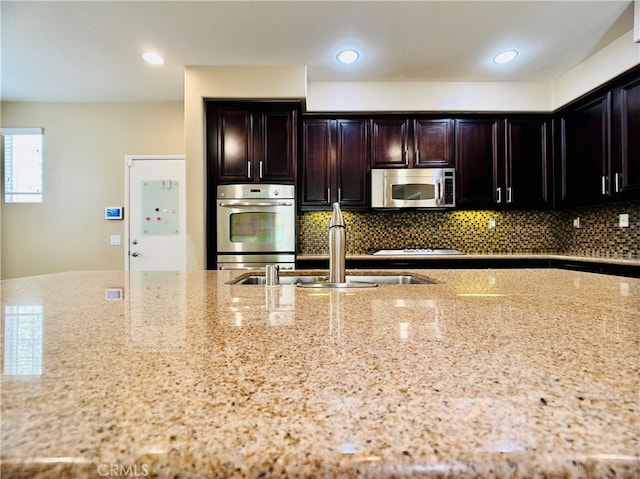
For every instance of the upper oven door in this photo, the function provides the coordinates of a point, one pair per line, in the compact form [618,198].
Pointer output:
[256,225]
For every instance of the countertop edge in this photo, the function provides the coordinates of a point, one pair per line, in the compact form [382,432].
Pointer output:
[462,257]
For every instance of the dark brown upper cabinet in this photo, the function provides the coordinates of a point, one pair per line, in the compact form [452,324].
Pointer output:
[503,162]
[626,163]
[585,151]
[433,143]
[599,147]
[335,156]
[412,143]
[253,142]
[525,174]
[479,153]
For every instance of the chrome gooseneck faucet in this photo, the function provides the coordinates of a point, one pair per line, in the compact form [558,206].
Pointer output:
[337,246]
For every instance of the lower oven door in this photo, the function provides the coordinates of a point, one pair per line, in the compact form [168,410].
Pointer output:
[256,226]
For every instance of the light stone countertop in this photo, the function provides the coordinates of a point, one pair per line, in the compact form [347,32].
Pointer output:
[514,373]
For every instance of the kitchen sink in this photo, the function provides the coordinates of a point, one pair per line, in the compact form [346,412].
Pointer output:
[322,281]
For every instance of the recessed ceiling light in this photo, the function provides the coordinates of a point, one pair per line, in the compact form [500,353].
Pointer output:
[153,58]
[347,56]
[505,57]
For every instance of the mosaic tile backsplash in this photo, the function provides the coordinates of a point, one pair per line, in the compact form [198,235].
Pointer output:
[516,231]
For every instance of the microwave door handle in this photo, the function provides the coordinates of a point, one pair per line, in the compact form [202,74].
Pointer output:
[440,192]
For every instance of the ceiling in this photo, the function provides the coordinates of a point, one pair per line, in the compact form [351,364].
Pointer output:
[91,50]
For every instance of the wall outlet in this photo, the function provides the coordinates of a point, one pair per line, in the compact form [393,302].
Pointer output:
[576,222]
[115,240]
[492,224]
[623,220]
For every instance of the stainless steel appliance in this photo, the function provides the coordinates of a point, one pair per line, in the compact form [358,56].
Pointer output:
[413,188]
[256,226]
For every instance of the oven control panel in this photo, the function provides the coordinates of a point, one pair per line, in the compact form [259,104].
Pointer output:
[256,191]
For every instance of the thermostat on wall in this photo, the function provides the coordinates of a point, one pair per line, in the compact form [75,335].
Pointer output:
[113,212]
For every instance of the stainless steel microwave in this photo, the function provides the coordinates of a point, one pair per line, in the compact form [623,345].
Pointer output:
[413,188]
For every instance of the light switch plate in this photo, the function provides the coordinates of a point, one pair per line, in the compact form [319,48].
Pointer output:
[576,222]
[115,240]
[623,220]
[492,224]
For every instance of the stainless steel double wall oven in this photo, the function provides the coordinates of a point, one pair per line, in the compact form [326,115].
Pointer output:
[256,226]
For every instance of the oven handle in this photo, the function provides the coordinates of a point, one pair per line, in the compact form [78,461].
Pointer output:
[253,204]
[243,268]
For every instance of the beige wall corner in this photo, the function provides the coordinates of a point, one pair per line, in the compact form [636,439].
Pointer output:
[613,60]
[223,82]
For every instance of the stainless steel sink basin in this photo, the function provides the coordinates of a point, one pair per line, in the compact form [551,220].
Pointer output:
[322,281]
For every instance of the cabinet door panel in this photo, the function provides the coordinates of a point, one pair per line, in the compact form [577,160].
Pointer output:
[479,148]
[629,112]
[352,155]
[586,152]
[433,143]
[235,145]
[315,179]
[278,146]
[527,163]
[390,137]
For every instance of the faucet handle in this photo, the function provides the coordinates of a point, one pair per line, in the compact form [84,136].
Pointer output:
[272,275]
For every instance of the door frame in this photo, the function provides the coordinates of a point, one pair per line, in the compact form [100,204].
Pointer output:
[127,162]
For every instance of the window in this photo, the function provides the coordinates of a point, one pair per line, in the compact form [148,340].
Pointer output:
[22,165]
[23,336]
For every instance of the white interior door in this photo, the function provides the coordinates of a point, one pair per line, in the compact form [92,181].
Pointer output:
[156,211]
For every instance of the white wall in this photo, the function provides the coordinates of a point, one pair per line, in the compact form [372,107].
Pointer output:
[427,97]
[84,149]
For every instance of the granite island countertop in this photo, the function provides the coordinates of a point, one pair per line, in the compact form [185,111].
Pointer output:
[487,373]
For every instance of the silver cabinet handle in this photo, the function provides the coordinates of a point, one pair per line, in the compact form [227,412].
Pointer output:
[604,185]
[509,195]
[329,196]
[416,158]
[406,157]
[260,172]
[339,195]
[499,192]
[617,182]
[249,169]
